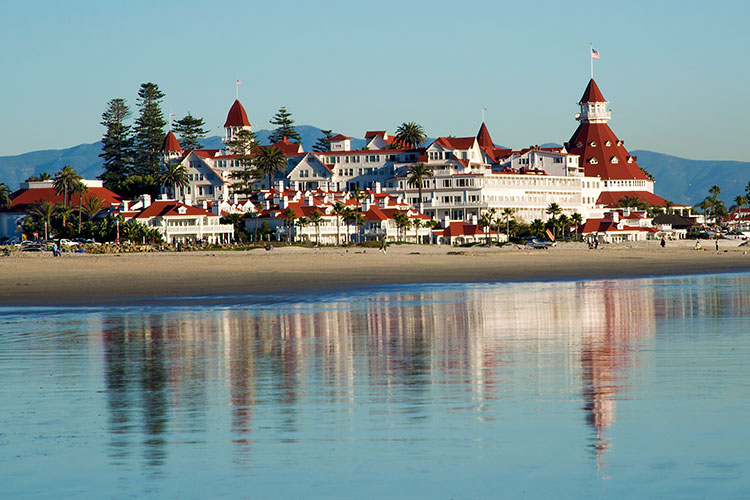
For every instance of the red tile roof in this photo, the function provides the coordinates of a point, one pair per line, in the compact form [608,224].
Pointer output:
[483,137]
[171,145]
[374,133]
[340,137]
[24,198]
[611,198]
[592,93]
[599,134]
[460,228]
[461,143]
[169,208]
[289,148]
[237,116]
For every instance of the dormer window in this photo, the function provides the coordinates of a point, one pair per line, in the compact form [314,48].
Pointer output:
[181,210]
[630,159]
[592,143]
[579,144]
[608,143]
[620,143]
[614,160]
[593,161]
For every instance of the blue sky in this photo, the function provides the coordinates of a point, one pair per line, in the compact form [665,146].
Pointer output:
[676,73]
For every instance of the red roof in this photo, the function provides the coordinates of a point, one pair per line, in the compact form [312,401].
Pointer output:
[483,137]
[611,198]
[169,208]
[340,137]
[374,133]
[461,143]
[460,228]
[289,148]
[237,116]
[171,145]
[24,198]
[593,139]
[592,93]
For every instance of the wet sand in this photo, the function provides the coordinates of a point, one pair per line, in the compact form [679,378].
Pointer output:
[87,279]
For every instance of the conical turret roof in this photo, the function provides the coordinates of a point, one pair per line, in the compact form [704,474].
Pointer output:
[237,116]
[592,93]
[171,144]
[483,137]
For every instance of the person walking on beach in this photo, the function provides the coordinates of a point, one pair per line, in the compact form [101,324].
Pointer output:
[383,245]
[663,241]
[717,244]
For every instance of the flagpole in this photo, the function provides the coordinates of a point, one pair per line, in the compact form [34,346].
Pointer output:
[482,114]
[236,90]
[591,58]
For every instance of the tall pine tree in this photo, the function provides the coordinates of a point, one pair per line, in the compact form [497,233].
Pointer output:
[117,144]
[190,129]
[149,130]
[284,127]
[323,144]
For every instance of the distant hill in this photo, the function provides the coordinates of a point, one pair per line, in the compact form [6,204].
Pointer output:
[678,179]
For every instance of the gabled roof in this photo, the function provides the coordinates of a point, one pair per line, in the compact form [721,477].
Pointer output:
[169,208]
[289,148]
[171,145]
[374,133]
[237,116]
[592,93]
[340,137]
[460,228]
[460,143]
[483,137]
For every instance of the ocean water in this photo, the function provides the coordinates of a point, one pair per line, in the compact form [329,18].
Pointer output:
[598,389]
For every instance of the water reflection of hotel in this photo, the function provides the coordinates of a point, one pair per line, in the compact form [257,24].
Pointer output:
[370,347]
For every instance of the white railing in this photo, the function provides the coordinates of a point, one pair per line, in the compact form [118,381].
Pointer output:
[209,228]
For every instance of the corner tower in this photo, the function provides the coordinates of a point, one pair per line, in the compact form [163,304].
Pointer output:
[601,153]
[236,121]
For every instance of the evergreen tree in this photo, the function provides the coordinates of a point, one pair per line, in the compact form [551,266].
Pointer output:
[323,144]
[190,129]
[284,127]
[149,130]
[244,144]
[117,143]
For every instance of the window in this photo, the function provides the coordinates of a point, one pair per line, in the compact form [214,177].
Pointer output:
[592,143]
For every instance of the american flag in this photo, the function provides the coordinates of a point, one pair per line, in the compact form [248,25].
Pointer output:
[594,54]
[239,82]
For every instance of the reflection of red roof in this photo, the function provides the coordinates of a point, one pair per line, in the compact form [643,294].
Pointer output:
[171,145]
[593,139]
[592,93]
[237,116]
[483,137]
[611,198]
[169,208]
[24,198]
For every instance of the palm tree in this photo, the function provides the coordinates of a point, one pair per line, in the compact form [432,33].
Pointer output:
[577,219]
[410,134]
[92,205]
[44,211]
[63,212]
[349,219]
[486,221]
[338,209]
[416,175]
[269,161]
[80,189]
[417,223]
[65,182]
[715,191]
[632,202]
[288,216]
[5,195]
[507,215]
[554,210]
[537,227]
[359,220]
[303,222]
[315,218]
[359,196]
[668,207]
[432,224]
[564,222]
[740,201]
[402,222]
[174,175]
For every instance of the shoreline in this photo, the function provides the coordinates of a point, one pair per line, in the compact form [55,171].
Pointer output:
[138,278]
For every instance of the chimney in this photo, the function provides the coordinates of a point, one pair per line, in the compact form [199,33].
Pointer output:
[474,220]
[204,204]
[146,200]
[376,186]
[615,216]
[125,205]
[163,196]
[386,201]
[446,222]
[280,186]
[284,204]
[310,200]
[187,201]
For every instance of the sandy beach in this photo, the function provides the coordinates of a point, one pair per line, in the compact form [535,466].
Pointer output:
[89,279]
